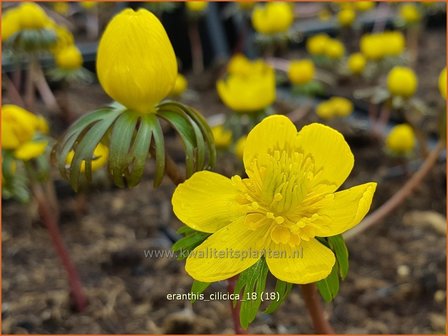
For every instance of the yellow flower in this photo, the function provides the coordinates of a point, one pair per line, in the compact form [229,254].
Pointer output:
[61,7]
[315,45]
[342,107]
[393,43]
[136,64]
[238,64]
[32,16]
[88,4]
[402,81]
[401,139]
[222,136]
[272,18]
[364,6]
[356,63]
[372,46]
[409,13]
[18,126]
[196,6]
[442,83]
[325,110]
[246,4]
[99,158]
[248,93]
[334,49]
[289,198]
[31,150]
[239,147]
[301,72]
[64,38]
[180,86]
[10,23]
[69,58]
[346,17]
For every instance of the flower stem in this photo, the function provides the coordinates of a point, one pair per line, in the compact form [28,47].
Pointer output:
[196,47]
[172,171]
[312,302]
[399,196]
[44,89]
[235,309]
[51,222]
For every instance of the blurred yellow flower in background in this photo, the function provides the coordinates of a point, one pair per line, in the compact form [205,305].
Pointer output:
[442,83]
[10,23]
[60,7]
[334,49]
[88,4]
[196,6]
[402,82]
[315,45]
[99,158]
[32,16]
[346,17]
[372,46]
[334,107]
[401,140]
[409,13]
[222,136]
[301,72]
[180,85]
[356,63]
[69,58]
[239,147]
[272,17]
[288,199]
[136,64]
[364,6]
[249,93]
[393,43]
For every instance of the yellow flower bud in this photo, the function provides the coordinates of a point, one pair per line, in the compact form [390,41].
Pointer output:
[180,86]
[401,139]
[315,45]
[136,64]
[393,43]
[364,6]
[32,16]
[442,83]
[372,46]
[69,58]
[324,110]
[346,17]
[64,38]
[222,136]
[99,158]
[31,150]
[272,18]
[356,63]
[334,49]
[10,23]
[239,147]
[250,93]
[342,107]
[402,81]
[409,13]
[301,72]
[196,6]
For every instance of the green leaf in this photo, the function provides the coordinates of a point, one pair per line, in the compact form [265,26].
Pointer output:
[283,289]
[329,287]
[186,244]
[199,287]
[120,143]
[337,244]
[159,144]
[252,280]
[140,151]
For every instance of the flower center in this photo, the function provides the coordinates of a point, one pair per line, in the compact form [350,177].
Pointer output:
[277,193]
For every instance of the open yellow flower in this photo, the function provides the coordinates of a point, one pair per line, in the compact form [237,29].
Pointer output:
[136,64]
[442,83]
[288,199]
[250,93]
[356,63]
[301,72]
[69,58]
[272,18]
[402,82]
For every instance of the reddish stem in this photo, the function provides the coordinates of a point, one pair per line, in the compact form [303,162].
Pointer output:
[312,301]
[196,47]
[235,309]
[51,222]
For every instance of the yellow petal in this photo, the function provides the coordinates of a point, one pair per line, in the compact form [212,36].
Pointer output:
[332,157]
[69,58]
[136,63]
[273,132]
[310,262]
[206,202]
[30,150]
[343,210]
[227,252]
